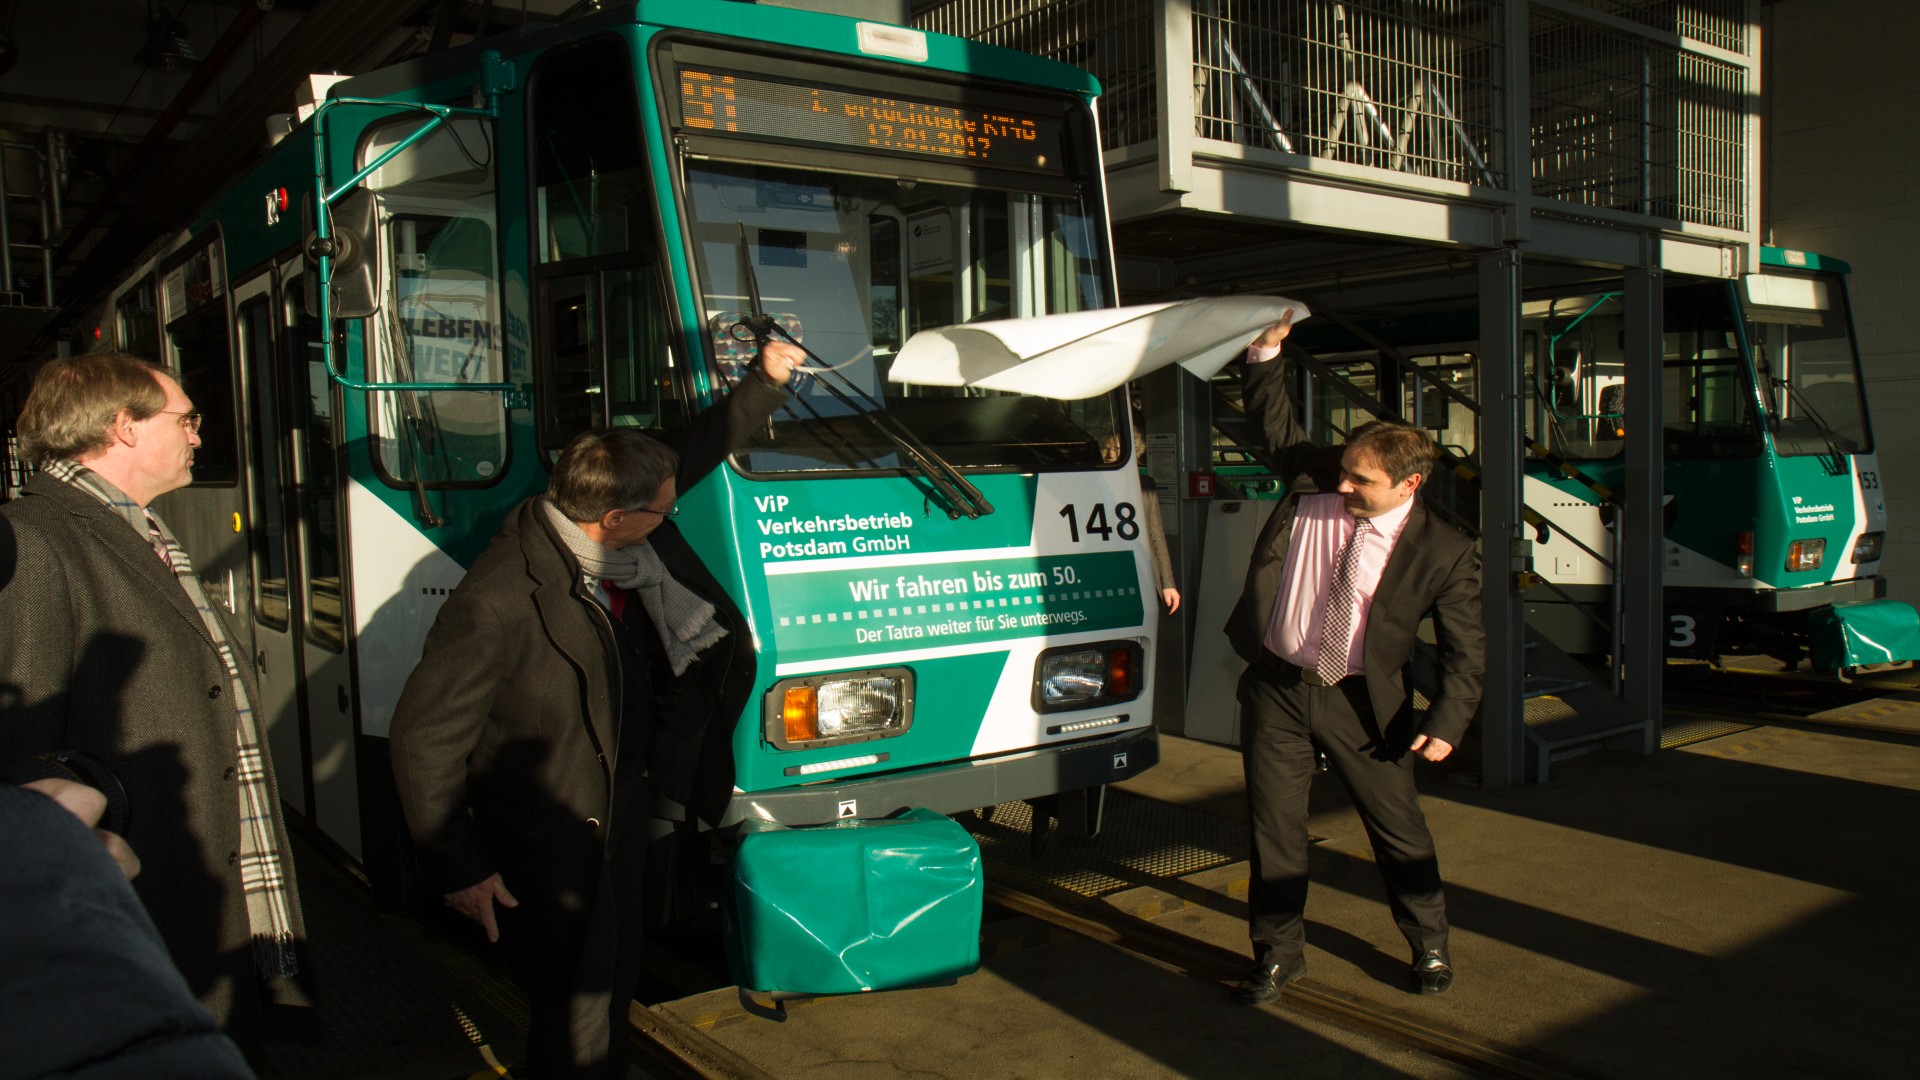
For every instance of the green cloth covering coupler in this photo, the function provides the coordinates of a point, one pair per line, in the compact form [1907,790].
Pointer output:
[854,906]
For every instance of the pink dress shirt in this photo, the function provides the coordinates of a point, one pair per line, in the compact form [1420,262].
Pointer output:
[1321,528]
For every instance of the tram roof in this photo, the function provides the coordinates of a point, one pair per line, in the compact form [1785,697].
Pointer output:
[780,25]
[1802,260]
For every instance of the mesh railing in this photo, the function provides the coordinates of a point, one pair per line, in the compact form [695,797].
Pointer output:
[1721,23]
[1618,120]
[1112,39]
[1622,122]
[1409,87]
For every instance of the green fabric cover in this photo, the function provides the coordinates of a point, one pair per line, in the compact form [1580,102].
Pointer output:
[1864,632]
[855,906]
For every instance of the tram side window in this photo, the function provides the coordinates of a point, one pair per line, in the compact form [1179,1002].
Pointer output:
[641,388]
[590,179]
[318,471]
[270,602]
[441,323]
[1707,402]
[136,320]
[603,342]
[607,360]
[1576,362]
[202,357]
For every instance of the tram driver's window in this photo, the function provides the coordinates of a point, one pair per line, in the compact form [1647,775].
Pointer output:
[603,349]
[441,323]
[201,354]
[136,320]
[589,168]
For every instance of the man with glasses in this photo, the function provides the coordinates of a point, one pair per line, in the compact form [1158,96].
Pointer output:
[565,689]
[110,648]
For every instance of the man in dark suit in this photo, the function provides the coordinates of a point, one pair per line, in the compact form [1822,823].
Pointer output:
[523,740]
[109,647]
[1341,578]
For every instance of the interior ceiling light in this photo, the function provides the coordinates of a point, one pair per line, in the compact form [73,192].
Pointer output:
[166,46]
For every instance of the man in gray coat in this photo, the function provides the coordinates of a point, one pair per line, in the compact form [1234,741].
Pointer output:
[109,647]
[523,741]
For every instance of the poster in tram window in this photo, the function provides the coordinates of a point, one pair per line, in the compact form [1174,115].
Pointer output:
[448,332]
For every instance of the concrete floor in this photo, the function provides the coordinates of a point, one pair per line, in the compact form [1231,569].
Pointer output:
[1738,907]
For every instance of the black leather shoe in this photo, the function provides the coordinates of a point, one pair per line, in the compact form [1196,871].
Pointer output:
[1264,982]
[1431,972]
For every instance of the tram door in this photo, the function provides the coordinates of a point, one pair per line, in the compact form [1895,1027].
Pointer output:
[316,586]
[268,604]
[207,516]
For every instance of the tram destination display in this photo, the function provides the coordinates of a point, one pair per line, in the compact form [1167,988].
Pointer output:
[738,105]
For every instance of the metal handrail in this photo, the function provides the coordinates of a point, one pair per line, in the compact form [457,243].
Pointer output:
[497,77]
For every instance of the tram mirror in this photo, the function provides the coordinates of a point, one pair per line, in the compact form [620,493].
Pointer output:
[351,232]
[1566,376]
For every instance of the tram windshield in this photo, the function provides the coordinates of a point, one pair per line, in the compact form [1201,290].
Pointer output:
[1576,352]
[851,266]
[1807,364]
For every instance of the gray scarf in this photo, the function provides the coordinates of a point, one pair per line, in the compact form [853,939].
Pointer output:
[684,622]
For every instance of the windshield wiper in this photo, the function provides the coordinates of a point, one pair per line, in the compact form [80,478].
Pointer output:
[960,494]
[1827,433]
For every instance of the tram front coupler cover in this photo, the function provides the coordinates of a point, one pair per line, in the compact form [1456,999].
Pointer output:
[1863,633]
[854,906]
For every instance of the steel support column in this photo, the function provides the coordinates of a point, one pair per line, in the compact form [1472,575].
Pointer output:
[1503,543]
[1173,78]
[1642,546]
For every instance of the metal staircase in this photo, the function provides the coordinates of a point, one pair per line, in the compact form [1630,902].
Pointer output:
[31,175]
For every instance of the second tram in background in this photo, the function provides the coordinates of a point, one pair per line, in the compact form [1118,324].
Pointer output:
[1775,518]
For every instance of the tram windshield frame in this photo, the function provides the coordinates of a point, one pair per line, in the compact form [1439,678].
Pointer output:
[850,250]
[1806,361]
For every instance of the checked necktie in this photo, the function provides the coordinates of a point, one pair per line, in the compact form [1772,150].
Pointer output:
[1336,624]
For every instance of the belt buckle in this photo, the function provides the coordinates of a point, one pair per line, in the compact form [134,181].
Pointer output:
[1312,677]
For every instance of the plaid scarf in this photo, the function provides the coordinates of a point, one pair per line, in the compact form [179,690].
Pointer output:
[263,876]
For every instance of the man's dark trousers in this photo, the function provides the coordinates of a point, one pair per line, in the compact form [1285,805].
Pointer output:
[1282,718]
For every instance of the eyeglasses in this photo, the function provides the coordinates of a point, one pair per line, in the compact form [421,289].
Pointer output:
[188,420]
[671,511]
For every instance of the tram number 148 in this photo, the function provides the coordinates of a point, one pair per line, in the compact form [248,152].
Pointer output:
[1125,522]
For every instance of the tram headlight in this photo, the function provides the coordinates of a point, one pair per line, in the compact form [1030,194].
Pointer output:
[1804,555]
[1743,554]
[1085,676]
[1867,548]
[845,707]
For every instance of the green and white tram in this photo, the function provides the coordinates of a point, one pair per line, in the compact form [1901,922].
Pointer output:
[581,226]
[1775,520]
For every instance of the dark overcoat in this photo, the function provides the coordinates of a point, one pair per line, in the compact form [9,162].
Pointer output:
[1434,571]
[101,652]
[520,735]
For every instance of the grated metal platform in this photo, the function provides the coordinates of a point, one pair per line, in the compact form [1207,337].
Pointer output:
[1142,842]
[1681,729]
